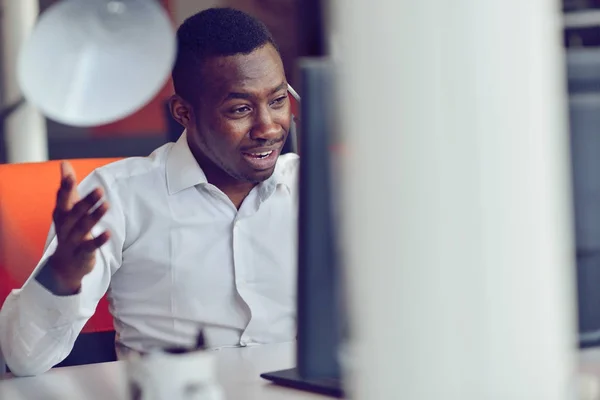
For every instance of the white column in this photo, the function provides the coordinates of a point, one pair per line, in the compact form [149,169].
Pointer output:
[457,199]
[25,129]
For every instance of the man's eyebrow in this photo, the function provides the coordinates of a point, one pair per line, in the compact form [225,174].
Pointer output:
[281,86]
[245,96]
[235,95]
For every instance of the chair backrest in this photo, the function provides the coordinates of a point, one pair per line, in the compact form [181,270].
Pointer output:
[27,198]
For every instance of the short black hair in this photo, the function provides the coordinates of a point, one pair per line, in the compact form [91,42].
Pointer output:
[215,32]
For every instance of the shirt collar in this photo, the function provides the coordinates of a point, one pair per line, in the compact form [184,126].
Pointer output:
[266,188]
[183,171]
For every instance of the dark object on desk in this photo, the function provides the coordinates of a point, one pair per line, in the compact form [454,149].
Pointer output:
[200,345]
[200,342]
[292,379]
[321,311]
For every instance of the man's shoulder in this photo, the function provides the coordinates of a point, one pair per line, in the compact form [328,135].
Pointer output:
[134,167]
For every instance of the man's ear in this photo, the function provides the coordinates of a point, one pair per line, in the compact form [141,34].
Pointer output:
[181,110]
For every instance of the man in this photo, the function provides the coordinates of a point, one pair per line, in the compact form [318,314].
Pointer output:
[199,235]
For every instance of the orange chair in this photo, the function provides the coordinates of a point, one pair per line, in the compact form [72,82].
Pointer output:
[27,197]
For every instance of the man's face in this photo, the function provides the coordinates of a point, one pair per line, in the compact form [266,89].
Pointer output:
[242,116]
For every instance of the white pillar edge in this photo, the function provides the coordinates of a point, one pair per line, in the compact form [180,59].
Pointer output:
[456,201]
[25,129]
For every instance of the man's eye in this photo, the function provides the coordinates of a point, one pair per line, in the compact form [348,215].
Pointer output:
[279,100]
[241,110]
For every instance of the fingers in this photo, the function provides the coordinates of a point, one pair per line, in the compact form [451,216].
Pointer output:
[85,223]
[75,218]
[79,210]
[66,220]
[88,247]
[66,170]
[87,203]
[64,194]
[67,194]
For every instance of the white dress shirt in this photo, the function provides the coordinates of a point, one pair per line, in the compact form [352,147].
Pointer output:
[181,257]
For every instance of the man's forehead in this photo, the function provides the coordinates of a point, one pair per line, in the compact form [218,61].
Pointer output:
[260,70]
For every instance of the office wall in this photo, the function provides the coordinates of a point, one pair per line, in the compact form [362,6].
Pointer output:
[181,9]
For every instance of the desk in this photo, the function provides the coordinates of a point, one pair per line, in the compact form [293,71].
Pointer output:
[238,371]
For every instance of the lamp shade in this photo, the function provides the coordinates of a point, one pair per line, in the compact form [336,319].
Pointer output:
[91,62]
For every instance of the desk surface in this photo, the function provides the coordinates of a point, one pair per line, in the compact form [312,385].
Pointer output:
[238,371]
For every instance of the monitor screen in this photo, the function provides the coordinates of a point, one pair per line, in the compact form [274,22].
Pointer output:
[321,314]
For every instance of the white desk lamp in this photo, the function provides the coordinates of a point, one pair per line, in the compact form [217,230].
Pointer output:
[91,62]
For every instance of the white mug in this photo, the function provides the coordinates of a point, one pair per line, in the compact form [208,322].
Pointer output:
[171,376]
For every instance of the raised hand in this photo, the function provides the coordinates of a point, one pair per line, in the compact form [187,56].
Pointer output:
[74,218]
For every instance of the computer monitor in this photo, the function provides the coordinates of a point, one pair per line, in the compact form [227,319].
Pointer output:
[321,314]
[319,291]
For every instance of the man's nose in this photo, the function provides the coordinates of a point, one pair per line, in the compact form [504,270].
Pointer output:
[265,127]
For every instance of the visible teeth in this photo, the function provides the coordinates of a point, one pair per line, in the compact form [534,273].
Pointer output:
[262,154]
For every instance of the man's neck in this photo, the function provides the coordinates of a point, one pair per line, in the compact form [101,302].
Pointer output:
[234,189]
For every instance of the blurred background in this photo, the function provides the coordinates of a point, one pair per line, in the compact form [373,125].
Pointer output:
[151,126]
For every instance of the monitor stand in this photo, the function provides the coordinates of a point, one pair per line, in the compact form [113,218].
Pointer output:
[291,378]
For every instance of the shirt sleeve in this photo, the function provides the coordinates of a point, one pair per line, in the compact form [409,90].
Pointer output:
[37,328]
